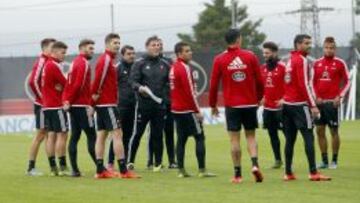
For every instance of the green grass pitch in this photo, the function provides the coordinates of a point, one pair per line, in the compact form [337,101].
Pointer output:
[166,187]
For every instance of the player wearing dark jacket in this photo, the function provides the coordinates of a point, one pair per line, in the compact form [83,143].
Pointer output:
[149,78]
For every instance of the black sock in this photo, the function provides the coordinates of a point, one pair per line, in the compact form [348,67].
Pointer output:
[99,165]
[31,165]
[325,158]
[62,161]
[237,170]
[122,165]
[335,158]
[254,161]
[52,161]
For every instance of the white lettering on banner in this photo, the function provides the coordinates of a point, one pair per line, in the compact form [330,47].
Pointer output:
[26,123]
[17,123]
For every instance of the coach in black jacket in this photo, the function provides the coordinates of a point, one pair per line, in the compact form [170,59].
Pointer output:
[126,104]
[168,129]
[150,72]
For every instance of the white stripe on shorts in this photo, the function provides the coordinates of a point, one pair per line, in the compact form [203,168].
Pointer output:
[112,117]
[62,121]
[308,117]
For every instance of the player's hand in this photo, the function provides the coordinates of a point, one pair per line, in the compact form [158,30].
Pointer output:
[215,112]
[199,117]
[90,111]
[95,97]
[319,101]
[262,102]
[315,112]
[337,101]
[142,90]
[66,106]
[59,87]
[280,102]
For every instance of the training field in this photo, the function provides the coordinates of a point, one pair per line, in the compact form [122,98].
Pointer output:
[166,187]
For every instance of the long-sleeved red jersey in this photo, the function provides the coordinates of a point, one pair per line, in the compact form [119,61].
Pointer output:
[273,85]
[329,74]
[52,77]
[35,78]
[182,89]
[105,82]
[240,73]
[298,90]
[77,89]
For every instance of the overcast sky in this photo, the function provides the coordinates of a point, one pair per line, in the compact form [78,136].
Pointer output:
[24,23]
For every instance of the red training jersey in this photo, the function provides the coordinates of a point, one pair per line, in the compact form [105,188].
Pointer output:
[331,78]
[105,82]
[182,88]
[298,90]
[52,82]
[240,73]
[77,89]
[273,85]
[35,78]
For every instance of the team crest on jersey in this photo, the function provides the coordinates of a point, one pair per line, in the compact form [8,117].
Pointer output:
[238,76]
[287,77]
[325,75]
[237,63]
[269,82]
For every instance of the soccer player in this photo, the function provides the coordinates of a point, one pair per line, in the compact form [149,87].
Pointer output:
[53,83]
[298,98]
[273,72]
[186,111]
[150,80]
[35,85]
[331,83]
[105,95]
[77,100]
[168,127]
[240,73]
[126,103]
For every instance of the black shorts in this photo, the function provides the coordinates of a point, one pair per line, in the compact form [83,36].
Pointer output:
[56,120]
[187,124]
[298,116]
[107,118]
[80,118]
[272,118]
[238,117]
[329,115]
[39,117]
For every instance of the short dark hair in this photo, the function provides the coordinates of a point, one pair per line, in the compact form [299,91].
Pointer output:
[151,39]
[46,42]
[125,48]
[111,36]
[329,39]
[300,38]
[179,47]
[232,35]
[85,42]
[59,45]
[271,45]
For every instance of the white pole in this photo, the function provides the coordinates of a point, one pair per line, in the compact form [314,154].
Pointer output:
[353,110]
[112,17]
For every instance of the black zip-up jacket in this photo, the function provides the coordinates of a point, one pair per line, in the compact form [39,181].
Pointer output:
[154,73]
[126,92]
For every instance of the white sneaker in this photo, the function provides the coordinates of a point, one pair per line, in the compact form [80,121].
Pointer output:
[34,172]
[333,165]
[130,166]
